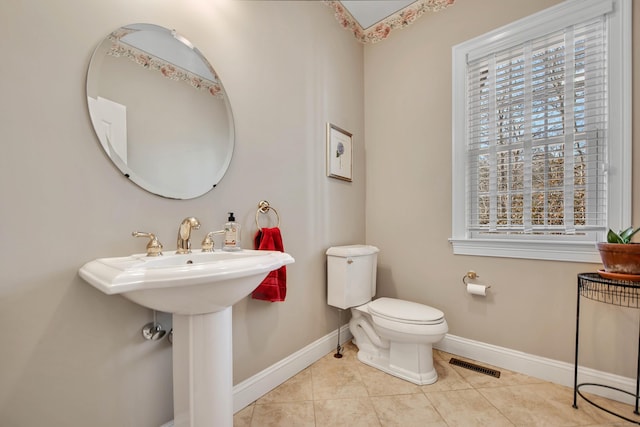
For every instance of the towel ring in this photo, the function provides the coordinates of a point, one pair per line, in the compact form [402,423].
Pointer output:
[264,207]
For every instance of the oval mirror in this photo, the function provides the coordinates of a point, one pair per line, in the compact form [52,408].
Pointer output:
[160,111]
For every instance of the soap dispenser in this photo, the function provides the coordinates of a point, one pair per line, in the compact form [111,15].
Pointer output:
[231,234]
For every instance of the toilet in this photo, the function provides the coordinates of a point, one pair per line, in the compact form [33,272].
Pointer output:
[392,335]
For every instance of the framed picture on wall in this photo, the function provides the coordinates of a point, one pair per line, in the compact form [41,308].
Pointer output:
[339,150]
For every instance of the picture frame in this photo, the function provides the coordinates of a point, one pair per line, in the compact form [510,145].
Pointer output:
[339,153]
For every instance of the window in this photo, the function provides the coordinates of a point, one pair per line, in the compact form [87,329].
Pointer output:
[541,133]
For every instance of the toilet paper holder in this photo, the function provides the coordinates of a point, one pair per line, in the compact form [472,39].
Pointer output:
[471,275]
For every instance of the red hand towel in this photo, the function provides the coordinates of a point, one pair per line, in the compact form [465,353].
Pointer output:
[274,286]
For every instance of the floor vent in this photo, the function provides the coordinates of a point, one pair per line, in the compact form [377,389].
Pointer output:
[474,367]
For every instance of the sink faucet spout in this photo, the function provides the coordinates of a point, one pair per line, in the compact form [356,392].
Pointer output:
[184,234]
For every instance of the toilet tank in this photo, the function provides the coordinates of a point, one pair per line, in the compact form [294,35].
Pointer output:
[351,275]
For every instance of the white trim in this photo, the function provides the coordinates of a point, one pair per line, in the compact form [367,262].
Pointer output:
[620,116]
[619,167]
[266,380]
[552,19]
[545,250]
[538,367]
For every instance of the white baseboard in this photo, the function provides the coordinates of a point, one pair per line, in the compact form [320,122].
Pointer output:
[263,382]
[539,367]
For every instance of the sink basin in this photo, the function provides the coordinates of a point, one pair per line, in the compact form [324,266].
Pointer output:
[198,289]
[195,283]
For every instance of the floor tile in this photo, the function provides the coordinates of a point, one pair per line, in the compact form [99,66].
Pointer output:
[346,412]
[296,389]
[407,410]
[242,418]
[466,408]
[344,391]
[440,355]
[602,416]
[541,405]
[292,414]
[337,378]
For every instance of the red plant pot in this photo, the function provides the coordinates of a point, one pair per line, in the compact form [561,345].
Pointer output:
[620,258]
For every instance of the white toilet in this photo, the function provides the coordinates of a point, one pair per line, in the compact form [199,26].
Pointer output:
[393,335]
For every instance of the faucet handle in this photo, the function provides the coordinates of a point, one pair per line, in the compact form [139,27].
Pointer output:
[154,247]
[207,242]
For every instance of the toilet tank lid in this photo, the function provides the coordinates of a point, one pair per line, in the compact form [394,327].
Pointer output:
[352,250]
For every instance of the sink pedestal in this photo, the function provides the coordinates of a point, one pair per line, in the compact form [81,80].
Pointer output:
[202,370]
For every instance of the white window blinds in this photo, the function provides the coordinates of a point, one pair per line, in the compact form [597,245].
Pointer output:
[537,135]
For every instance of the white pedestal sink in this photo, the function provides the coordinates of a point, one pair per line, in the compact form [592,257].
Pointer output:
[199,290]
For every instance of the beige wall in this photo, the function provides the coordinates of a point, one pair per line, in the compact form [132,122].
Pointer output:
[71,356]
[531,307]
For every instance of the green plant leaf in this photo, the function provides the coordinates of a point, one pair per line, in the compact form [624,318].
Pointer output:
[630,235]
[613,237]
[625,235]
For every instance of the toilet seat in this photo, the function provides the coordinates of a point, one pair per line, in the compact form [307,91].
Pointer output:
[405,312]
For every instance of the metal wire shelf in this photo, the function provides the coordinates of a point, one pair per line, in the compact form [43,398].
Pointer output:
[623,293]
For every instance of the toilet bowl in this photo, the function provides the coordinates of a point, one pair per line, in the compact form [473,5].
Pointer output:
[392,335]
[397,336]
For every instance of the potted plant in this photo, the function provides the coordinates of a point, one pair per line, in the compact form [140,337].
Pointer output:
[619,254]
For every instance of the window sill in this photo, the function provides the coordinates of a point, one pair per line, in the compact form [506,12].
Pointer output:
[529,249]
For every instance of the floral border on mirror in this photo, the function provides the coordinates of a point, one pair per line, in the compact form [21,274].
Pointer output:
[167,69]
[383,28]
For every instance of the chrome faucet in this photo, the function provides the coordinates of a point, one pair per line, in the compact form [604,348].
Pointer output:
[184,234]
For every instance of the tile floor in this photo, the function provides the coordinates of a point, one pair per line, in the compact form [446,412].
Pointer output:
[346,392]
